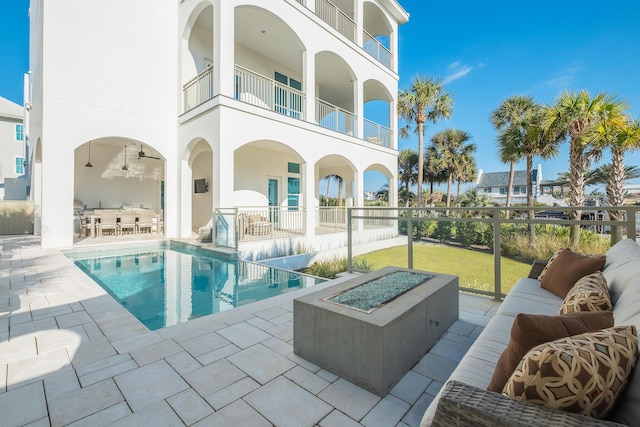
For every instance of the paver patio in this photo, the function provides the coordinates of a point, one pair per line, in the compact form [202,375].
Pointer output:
[71,355]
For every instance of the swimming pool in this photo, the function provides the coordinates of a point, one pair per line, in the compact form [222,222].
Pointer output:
[173,283]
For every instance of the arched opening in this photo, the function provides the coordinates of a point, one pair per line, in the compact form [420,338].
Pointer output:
[377,34]
[335,186]
[201,165]
[335,102]
[268,190]
[197,57]
[378,105]
[117,174]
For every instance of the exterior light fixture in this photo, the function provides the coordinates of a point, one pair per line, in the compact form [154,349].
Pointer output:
[89,165]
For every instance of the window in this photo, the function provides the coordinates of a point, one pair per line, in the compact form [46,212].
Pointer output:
[503,190]
[20,165]
[487,190]
[293,167]
[293,193]
[19,132]
[287,102]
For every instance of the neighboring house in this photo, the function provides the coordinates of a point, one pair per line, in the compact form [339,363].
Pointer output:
[495,184]
[233,104]
[12,151]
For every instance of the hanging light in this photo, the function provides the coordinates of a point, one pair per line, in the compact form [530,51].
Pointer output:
[124,167]
[89,165]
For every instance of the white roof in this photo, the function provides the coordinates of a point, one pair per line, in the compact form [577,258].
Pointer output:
[10,109]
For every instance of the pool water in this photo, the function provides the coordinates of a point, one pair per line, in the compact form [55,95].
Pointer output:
[166,286]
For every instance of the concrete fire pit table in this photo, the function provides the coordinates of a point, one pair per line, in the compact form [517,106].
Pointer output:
[375,347]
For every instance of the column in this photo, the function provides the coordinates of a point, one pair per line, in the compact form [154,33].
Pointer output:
[57,193]
[358,188]
[358,98]
[358,16]
[309,85]
[393,122]
[223,48]
[309,189]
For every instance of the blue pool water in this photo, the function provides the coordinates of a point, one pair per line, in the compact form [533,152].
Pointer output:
[166,286]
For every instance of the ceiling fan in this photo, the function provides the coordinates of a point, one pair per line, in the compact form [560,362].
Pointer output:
[142,155]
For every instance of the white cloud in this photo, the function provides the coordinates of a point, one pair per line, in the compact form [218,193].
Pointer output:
[457,71]
[562,79]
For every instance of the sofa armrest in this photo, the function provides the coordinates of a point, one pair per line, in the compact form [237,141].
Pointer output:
[536,269]
[465,405]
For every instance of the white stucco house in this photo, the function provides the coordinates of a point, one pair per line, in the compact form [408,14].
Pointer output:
[12,151]
[212,106]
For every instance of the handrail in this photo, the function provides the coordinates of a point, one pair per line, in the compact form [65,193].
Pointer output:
[376,49]
[261,91]
[493,217]
[332,117]
[199,89]
[336,18]
[377,133]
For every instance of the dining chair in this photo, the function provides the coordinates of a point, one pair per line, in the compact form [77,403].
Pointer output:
[145,220]
[127,221]
[108,221]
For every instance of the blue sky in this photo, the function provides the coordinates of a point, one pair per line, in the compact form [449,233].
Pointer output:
[485,51]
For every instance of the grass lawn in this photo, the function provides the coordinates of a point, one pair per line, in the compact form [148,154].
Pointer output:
[474,268]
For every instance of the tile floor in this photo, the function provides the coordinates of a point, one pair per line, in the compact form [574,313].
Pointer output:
[71,355]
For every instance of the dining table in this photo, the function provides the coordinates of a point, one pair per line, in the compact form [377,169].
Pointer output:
[94,219]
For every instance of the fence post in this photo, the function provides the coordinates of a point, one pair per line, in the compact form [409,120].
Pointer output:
[410,238]
[497,255]
[349,242]
[631,223]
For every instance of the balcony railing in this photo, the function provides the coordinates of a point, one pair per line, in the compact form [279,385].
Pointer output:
[377,134]
[263,92]
[335,118]
[376,49]
[198,90]
[246,224]
[497,234]
[332,15]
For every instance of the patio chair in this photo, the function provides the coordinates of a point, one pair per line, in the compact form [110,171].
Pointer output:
[127,221]
[145,220]
[108,221]
[85,223]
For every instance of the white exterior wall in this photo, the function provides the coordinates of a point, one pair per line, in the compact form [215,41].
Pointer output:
[10,148]
[113,71]
[110,72]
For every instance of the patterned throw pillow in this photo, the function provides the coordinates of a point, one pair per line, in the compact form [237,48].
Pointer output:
[583,374]
[588,294]
[565,268]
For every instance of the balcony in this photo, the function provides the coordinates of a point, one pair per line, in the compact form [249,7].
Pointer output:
[336,18]
[267,93]
[377,134]
[335,118]
[198,90]
[376,49]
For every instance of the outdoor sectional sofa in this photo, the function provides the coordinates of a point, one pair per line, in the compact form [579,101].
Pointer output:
[464,400]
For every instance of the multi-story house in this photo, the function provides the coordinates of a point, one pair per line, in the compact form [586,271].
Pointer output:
[12,151]
[495,184]
[194,107]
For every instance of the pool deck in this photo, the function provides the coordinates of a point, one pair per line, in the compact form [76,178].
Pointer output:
[71,355]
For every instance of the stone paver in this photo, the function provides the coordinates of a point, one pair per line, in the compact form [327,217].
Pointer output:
[354,401]
[23,405]
[149,384]
[286,404]
[261,363]
[71,355]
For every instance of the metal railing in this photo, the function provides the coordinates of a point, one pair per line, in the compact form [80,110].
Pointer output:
[335,118]
[246,224]
[198,90]
[375,133]
[332,15]
[376,49]
[596,220]
[267,93]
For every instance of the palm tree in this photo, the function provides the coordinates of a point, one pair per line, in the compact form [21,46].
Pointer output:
[602,174]
[407,169]
[510,119]
[433,174]
[467,171]
[452,150]
[339,179]
[621,134]
[383,193]
[571,115]
[426,101]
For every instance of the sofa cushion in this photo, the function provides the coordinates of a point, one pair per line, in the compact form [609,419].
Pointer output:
[531,330]
[627,312]
[621,266]
[565,268]
[583,374]
[590,293]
